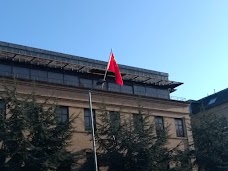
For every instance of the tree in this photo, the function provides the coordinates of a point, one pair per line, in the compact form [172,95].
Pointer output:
[210,140]
[131,144]
[31,136]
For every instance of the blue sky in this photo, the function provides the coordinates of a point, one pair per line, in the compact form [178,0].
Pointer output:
[187,39]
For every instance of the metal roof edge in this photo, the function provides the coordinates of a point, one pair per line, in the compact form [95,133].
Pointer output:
[74,57]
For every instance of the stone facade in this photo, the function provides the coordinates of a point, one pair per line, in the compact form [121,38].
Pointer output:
[76,99]
[68,79]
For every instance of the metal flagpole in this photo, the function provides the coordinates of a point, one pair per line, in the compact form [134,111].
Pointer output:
[100,82]
[107,65]
[93,131]
[106,70]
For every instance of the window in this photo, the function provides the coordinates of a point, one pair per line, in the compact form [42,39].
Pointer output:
[87,120]
[114,120]
[159,123]
[55,77]
[5,70]
[2,107]
[38,75]
[179,127]
[99,86]
[71,80]
[113,87]
[140,90]
[83,82]
[21,72]
[163,93]
[212,101]
[62,114]
[137,121]
[150,91]
[127,89]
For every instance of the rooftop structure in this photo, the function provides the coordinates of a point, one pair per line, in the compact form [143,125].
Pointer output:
[82,66]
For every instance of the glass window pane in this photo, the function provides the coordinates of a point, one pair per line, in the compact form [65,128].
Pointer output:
[114,120]
[163,93]
[127,89]
[88,121]
[179,127]
[55,77]
[38,75]
[64,118]
[140,90]
[87,112]
[64,111]
[113,87]
[20,72]
[99,86]
[5,70]
[2,107]
[62,114]
[151,92]
[71,80]
[83,82]
[159,124]
[137,121]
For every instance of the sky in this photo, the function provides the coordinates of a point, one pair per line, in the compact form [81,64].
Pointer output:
[186,39]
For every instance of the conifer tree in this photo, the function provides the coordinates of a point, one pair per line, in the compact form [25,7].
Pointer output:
[131,144]
[31,136]
[210,141]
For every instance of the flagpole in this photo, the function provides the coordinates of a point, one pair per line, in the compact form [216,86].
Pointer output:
[107,65]
[106,69]
[93,131]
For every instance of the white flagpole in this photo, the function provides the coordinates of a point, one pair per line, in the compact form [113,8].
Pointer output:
[93,131]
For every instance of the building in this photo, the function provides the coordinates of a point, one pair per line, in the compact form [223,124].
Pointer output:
[70,77]
[209,117]
[217,103]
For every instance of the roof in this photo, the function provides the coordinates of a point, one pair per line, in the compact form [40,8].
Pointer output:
[47,58]
[208,102]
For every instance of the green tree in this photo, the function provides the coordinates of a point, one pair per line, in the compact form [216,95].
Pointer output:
[210,141]
[31,137]
[132,144]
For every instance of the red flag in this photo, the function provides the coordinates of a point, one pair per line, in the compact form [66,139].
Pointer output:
[112,66]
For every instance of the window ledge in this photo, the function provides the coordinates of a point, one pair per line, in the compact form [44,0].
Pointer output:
[179,138]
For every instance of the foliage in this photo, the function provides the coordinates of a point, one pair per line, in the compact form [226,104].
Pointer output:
[31,137]
[210,140]
[133,144]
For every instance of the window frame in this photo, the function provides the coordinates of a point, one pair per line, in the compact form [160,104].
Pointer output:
[137,121]
[159,124]
[114,87]
[2,108]
[85,82]
[89,126]
[55,77]
[59,114]
[127,89]
[139,89]
[72,80]
[179,125]
[21,72]
[115,120]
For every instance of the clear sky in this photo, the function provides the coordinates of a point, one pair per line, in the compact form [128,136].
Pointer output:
[186,38]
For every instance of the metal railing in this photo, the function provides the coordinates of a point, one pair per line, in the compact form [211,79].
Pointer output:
[178,98]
